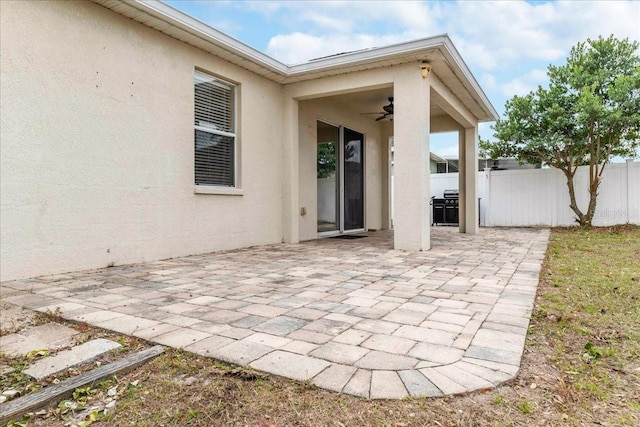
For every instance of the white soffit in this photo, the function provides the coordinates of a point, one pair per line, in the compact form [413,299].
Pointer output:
[439,51]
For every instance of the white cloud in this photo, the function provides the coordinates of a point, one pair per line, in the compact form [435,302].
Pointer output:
[582,20]
[292,48]
[264,7]
[298,47]
[415,17]
[525,83]
[507,33]
[328,22]
[484,126]
[402,15]
[512,32]
[489,35]
[226,26]
[488,81]
[345,26]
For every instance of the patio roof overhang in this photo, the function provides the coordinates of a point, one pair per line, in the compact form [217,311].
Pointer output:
[438,51]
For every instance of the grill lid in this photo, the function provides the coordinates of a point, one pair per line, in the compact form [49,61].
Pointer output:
[450,194]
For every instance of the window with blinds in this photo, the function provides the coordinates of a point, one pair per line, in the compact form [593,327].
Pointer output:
[215,133]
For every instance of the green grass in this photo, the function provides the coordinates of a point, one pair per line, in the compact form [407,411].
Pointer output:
[589,303]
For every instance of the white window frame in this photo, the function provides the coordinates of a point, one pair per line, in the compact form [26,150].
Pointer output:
[213,188]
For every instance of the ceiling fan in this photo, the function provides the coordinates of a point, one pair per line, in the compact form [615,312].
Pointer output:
[387,111]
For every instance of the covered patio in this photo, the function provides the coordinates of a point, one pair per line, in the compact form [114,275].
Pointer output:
[352,315]
[420,88]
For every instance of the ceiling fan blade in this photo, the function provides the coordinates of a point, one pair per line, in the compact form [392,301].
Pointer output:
[389,108]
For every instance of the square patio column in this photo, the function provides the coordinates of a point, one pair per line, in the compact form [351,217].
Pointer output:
[462,180]
[387,134]
[290,172]
[412,217]
[468,180]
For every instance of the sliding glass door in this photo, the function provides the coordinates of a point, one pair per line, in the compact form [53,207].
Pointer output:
[353,171]
[340,179]
[328,172]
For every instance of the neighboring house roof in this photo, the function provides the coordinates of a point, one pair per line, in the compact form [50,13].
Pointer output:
[436,158]
[439,51]
[496,164]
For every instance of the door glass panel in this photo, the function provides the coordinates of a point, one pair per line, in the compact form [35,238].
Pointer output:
[328,176]
[353,180]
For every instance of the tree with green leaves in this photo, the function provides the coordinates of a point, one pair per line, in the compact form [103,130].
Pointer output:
[589,113]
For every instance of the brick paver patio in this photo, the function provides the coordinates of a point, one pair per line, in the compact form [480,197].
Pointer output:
[353,316]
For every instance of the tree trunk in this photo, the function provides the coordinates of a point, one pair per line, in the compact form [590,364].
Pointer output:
[594,184]
[581,217]
[593,196]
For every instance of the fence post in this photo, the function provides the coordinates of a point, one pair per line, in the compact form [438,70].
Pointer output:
[487,202]
[629,162]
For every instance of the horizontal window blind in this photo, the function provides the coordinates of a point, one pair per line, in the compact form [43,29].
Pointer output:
[215,159]
[215,137]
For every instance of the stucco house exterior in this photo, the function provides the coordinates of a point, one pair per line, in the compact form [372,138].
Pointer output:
[133,132]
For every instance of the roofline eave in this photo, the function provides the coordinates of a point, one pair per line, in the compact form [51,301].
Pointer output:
[205,32]
[282,73]
[371,55]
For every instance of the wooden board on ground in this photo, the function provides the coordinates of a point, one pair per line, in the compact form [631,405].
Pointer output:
[16,408]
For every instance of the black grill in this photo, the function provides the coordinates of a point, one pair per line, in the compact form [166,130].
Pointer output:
[445,210]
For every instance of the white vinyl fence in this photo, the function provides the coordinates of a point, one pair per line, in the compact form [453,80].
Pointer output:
[540,196]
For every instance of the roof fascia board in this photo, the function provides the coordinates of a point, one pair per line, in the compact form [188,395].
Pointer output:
[198,28]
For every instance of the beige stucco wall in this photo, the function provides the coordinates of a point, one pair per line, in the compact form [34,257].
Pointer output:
[445,123]
[309,113]
[97,145]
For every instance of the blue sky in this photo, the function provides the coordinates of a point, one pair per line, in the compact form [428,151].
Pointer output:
[506,44]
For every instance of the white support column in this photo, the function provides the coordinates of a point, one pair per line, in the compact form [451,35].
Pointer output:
[412,217]
[387,132]
[462,181]
[290,173]
[470,180]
